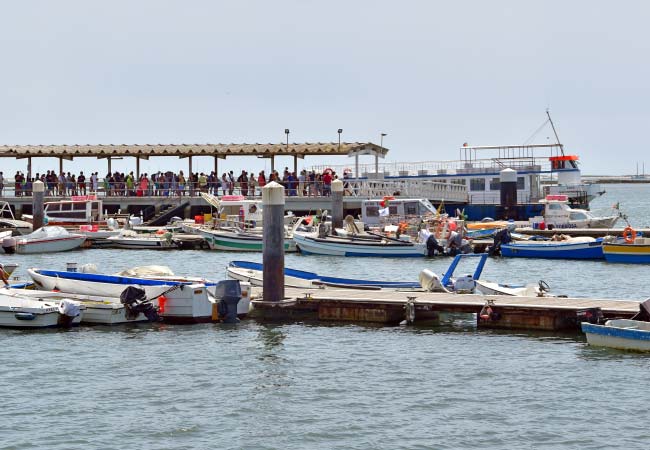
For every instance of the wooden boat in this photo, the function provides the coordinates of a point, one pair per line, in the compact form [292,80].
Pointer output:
[239,241]
[48,240]
[637,252]
[310,243]
[19,311]
[623,334]
[572,248]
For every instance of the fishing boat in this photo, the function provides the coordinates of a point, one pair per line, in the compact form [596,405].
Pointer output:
[312,244]
[8,268]
[252,273]
[19,311]
[132,240]
[623,334]
[179,299]
[634,250]
[47,240]
[558,214]
[570,248]
[239,241]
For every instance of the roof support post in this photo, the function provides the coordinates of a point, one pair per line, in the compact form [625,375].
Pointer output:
[109,165]
[356,166]
[137,168]
[295,164]
[190,178]
[272,163]
[61,165]
[29,167]
[216,167]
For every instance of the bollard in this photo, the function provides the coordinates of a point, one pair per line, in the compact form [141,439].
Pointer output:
[337,204]
[273,244]
[38,196]
[508,187]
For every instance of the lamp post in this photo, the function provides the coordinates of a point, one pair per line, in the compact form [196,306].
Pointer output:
[381,144]
[340,130]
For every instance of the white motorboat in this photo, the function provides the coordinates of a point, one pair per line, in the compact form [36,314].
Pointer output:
[179,299]
[19,311]
[7,220]
[558,214]
[622,334]
[46,240]
[311,243]
[132,240]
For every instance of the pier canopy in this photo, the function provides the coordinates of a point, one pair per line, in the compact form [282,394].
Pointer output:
[185,150]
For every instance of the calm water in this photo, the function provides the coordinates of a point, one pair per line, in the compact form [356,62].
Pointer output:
[302,386]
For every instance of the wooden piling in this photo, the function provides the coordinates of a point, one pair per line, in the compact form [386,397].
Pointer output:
[38,197]
[337,204]
[273,244]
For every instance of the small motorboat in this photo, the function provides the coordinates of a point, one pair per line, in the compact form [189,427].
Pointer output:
[311,243]
[558,214]
[47,239]
[179,299]
[623,334]
[19,311]
[132,240]
[252,273]
[563,248]
[634,250]
[239,241]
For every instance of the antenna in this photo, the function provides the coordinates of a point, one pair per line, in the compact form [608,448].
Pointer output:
[557,138]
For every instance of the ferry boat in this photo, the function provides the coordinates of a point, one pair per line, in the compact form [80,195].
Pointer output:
[542,169]
[82,209]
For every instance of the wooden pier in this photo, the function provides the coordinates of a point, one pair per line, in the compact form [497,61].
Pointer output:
[394,306]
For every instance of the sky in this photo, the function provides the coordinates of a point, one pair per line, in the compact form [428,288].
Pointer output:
[430,74]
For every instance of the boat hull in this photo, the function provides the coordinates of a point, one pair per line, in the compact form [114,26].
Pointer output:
[627,253]
[140,244]
[227,241]
[583,250]
[308,245]
[49,245]
[618,337]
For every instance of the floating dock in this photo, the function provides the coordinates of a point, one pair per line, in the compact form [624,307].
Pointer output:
[394,306]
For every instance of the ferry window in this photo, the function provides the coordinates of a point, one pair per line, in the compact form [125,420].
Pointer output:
[521,183]
[460,181]
[554,207]
[577,216]
[372,211]
[477,184]
[392,210]
[495,184]
[411,209]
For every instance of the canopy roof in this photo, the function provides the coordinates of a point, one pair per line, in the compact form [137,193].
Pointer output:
[185,150]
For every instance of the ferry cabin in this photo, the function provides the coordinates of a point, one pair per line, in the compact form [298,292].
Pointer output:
[82,210]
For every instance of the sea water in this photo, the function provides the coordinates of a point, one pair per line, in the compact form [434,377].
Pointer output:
[304,385]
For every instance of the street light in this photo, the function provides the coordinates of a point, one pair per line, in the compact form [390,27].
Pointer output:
[381,144]
[286,131]
[340,130]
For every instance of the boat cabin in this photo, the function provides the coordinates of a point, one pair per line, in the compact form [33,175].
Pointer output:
[79,209]
[237,208]
[372,211]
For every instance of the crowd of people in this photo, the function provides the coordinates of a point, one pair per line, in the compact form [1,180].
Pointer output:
[304,184]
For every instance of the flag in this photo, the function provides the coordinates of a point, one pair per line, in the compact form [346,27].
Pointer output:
[384,212]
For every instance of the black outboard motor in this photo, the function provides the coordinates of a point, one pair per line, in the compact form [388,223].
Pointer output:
[590,315]
[135,302]
[500,237]
[229,293]
[432,246]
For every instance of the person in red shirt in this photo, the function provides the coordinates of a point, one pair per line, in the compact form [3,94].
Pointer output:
[327,183]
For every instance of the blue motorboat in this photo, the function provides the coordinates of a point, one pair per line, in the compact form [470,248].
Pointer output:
[572,248]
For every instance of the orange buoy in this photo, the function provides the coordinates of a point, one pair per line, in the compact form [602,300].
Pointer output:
[629,235]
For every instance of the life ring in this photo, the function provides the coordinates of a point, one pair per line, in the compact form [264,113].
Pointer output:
[629,235]
[402,227]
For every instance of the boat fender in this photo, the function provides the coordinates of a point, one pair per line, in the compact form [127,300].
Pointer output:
[487,313]
[410,310]
[629,235]
[162,302]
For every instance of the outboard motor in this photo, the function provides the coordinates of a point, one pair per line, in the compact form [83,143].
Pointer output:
[9,245]
[433,246]
[68,310]
[135,302]
[500,237]
[229,293]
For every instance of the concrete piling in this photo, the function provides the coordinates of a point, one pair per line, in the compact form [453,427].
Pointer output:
[508,190]
[38,197]
[337,204]
[273,246]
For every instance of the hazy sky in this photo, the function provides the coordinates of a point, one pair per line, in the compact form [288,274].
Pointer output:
[430,74]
